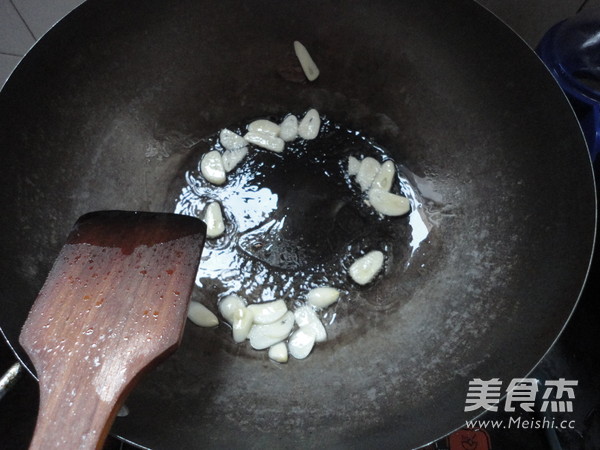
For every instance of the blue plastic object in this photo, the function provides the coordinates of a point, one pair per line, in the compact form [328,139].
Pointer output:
[571,50]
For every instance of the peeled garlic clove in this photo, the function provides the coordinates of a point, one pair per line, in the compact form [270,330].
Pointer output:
[301,342]
[268,312]
[368,170]
[263,336]
[279,352]
[265,127]
[353,165]
[387,203]
[305,316]
[322,297]
[212,168]
[309,67]
[232,158]
[201,315]
[309,125]
[230,140]
[364,269]
[242,323]
[385,177]
[288,130]
[229,305]
[214,220]
[266,141]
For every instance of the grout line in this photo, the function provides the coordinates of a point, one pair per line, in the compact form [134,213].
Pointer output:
[10,54]
[22,19]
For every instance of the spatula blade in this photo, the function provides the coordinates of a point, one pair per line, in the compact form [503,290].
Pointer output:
[114,304]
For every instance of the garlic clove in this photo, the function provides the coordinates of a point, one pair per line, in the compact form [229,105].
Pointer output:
[305,316]
[368,170]
[265,127]
[309,125]
[242,323]
[353,165]
[322,297]
[268,312]
[387,203]
[265,141]
[230,140]
[201,315]
[231,158]
[301,342]
[264,336]
[229,305]
[385,177]
[213,217]
[279,352]
[212,169]
[309,67]
[365,268]
[289,128]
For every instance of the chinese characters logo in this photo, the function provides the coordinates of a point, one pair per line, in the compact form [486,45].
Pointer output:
[557,395]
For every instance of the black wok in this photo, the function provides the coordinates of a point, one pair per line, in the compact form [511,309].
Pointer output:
[100,114]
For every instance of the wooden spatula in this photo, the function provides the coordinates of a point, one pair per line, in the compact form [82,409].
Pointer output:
[113,305]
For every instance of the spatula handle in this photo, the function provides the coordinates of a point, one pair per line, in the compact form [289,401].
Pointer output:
[71,415]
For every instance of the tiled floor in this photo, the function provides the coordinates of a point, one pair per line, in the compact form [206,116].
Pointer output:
[15,38]
[22,23]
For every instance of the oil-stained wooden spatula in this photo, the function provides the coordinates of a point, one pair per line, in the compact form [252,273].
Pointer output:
[113,305]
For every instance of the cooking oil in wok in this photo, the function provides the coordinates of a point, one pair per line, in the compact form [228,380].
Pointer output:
[296,220]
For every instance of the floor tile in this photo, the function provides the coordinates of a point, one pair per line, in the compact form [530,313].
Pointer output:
[7,64]
[15,39]
[41,15]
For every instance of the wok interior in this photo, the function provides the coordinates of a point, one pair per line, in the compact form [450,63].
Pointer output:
[104,114]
